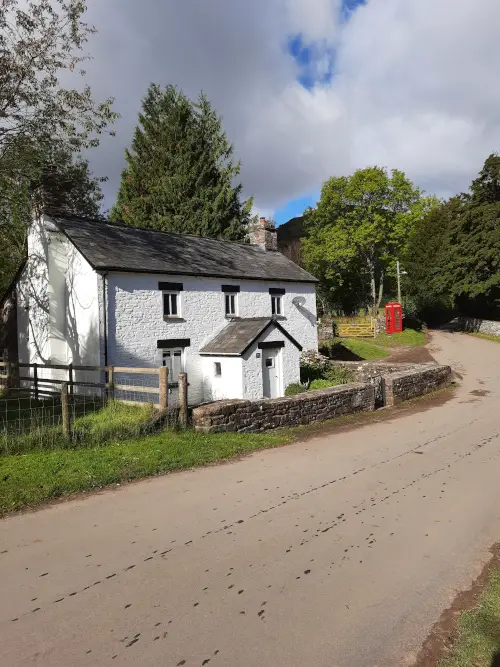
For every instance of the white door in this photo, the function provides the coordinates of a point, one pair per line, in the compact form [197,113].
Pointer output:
[271,372]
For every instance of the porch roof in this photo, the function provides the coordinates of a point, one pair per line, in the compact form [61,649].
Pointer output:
[240,334]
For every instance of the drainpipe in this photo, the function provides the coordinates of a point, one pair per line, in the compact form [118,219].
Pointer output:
[105,315]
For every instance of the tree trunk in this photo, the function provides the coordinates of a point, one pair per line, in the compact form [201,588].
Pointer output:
[373,289]
[380,289]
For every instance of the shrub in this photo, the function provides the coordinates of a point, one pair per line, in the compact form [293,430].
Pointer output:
[295,388]
[313,366]
[339,375]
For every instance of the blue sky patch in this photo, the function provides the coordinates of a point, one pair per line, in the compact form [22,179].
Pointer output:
[315,61]
[295,208]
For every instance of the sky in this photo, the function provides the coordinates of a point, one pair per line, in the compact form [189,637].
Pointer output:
[310,89]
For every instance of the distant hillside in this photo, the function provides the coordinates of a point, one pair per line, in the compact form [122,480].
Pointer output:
[289,235]
[291,231]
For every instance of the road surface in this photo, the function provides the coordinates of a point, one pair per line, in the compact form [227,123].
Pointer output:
[338,551]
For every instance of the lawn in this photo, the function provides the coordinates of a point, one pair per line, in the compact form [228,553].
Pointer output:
[36,477]
[370,349]
[410,337]
[478,639]
[364,349]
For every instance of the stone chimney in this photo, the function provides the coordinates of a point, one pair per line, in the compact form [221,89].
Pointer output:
[264,235]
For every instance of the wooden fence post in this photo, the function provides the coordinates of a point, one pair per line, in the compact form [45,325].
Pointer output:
[183,399]
[163,381]
[111,383]
[35,380]
[65,410]
[8,376]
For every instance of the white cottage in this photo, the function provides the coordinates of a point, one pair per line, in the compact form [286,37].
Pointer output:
[233,316]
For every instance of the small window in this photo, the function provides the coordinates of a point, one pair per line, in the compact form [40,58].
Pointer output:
[217,369]
[276,306]
[230,300]
[174,360]
[171,304]
[270,362]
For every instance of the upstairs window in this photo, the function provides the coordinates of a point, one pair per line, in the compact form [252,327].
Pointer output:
[171,304]
[230,302]
[171,299]
[276,294]
[230,293]
[276,305]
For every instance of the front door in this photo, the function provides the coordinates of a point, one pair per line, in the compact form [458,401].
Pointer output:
[271,372]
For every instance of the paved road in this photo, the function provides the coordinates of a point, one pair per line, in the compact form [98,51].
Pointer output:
[339,551]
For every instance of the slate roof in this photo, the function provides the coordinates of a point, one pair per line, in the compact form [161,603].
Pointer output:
[239,334]
[119,247]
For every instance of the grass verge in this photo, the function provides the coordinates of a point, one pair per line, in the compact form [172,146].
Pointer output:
[31,479]
[496,339]
[478,631]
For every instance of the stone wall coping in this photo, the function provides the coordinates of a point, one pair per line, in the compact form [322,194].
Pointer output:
[229,406]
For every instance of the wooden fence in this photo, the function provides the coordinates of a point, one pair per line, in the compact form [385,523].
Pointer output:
[11,380]
[35,383]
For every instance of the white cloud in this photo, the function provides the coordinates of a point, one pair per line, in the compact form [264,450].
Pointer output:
[414,85]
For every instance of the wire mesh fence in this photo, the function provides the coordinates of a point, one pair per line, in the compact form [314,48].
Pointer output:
[71,416]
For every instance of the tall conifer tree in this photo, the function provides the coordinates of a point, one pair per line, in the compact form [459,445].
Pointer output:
[180,174]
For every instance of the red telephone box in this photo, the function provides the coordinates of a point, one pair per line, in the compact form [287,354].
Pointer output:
[393,318]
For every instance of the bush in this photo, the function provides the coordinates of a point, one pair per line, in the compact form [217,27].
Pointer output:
[295,388]
[313,366]
[339,375]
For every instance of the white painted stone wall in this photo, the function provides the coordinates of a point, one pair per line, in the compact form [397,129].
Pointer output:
[289,360]
[136,323]
[230,382]
[58,317]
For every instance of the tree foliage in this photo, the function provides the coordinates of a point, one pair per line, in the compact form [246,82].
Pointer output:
[357,232]
[453,257]
[40,40]
[54,181]
[180,174]
[43,124]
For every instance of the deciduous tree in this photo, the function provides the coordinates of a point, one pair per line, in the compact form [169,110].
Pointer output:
[360,228]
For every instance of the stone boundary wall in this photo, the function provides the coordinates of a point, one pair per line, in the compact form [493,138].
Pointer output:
[322,404]
[400,387]
[475,325]
[365,370]
[319,405]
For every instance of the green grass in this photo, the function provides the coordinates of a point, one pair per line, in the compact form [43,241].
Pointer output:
[364,349]
[41,428]
[371,348]
[496,339]
[478,639]
[36,477]
[410,337]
